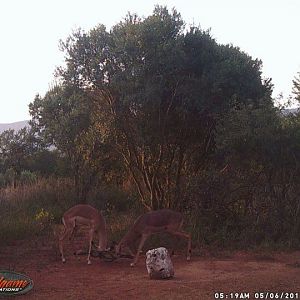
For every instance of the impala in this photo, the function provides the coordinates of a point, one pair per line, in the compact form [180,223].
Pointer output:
[163,220]
[84,215]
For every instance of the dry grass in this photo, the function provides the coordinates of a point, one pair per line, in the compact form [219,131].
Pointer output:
[35,210]
[30,210]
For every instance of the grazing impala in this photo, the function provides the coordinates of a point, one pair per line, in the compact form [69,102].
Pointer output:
[84,215]
[163,220]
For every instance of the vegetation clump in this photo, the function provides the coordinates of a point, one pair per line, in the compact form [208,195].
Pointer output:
[155,114]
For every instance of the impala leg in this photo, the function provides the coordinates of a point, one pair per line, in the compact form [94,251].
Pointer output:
[72,237]
[102,241]
[177,241]
[74,230]
[141,244]
[66,232]
[187,236]
[91,233]
[130,251]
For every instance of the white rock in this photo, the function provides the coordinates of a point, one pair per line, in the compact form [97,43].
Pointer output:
[159,264]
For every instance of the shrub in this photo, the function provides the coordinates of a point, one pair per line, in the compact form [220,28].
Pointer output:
[31,209]
[27,178]
[2,180]
[44,220]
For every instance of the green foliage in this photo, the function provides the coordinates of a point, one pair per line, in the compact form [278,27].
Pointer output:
[23,151]
[27,178]
[10,176]
[112,199]
[147,97]
[14,147]
[2,180]
[64,118]
[44,220]
[16,227]
[30,210]
[296,87]
[250,192]
[162,107]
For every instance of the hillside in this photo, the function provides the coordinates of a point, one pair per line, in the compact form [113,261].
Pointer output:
[16,125]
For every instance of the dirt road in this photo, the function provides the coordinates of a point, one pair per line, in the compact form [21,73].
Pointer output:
[201,278]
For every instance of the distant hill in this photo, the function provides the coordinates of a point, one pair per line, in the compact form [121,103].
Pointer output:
[289,111]
[16,125]
[19,125]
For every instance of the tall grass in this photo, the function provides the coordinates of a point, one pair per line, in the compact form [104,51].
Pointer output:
[28,210]
[33,209]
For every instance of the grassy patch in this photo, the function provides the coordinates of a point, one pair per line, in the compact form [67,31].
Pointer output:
[30,210]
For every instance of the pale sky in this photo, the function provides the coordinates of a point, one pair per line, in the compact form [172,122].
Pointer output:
[30,32]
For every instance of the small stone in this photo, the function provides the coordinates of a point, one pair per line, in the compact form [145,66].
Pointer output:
[159,264]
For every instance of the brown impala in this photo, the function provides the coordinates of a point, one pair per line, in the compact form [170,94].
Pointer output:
[163,220]
[84,215]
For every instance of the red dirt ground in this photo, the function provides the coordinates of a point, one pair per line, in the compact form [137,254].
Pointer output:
[199,278]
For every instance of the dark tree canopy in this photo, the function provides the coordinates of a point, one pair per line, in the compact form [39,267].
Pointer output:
[296,87]
[148,93]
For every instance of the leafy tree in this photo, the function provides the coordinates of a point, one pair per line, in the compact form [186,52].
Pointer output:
[24,151]
[260,150]
[65,118]
[150,93]
[15,148]
[296,87]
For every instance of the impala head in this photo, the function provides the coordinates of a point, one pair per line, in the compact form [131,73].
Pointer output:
[108,254]
[112,247]
[118,247]
[128,240]
[101,248]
